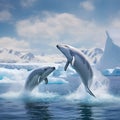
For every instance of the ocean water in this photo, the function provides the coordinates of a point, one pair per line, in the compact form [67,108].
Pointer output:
[64,98]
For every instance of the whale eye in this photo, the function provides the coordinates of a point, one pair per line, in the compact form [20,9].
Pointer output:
[66,46]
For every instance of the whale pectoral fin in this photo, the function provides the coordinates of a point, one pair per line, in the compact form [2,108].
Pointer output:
[46,81]
[66,66]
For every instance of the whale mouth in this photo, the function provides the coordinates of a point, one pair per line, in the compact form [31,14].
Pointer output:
[53,68]
[58,46]
[61,48]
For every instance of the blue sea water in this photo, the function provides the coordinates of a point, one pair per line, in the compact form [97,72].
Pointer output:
[64,98]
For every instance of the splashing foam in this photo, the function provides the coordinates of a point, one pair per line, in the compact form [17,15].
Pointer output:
[100,87]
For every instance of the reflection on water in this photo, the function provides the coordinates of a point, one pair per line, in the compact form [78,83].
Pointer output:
[58,111]
[85,112]
[38,111]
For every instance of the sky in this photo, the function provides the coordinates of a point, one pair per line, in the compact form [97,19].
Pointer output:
[38,25]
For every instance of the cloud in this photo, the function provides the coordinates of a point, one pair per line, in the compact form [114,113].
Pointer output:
[5,15]
[87,5]
[61,28]
[116,23]
[27,3]
[114,30]
[12,43]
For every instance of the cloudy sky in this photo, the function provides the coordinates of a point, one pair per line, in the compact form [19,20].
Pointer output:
[38,25]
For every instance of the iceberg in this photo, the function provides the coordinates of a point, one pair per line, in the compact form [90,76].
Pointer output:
[111,72]
[111,56]
[116,72]
[107,72]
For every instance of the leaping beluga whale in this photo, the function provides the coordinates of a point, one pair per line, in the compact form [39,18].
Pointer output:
[79,63]
[37,76]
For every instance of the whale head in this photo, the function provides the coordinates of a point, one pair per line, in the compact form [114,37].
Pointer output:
[37,76]
[46,72]
[65,49]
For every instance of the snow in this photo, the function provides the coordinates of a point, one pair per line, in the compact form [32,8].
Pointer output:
[13,56]
[29,56]
[111,56]
[94,54]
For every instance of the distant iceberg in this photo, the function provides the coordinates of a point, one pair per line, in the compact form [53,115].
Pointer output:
[106,72]
[111,56]
[116,72]
[111,72]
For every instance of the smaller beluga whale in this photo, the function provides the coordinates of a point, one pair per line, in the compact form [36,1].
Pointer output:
[79,63]
[37,76]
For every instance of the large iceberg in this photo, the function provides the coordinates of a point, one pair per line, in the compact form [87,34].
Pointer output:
[111,56]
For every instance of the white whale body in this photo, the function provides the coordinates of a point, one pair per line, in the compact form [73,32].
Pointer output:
[37,76]
[79,63]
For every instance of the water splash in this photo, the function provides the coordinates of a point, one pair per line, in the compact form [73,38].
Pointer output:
[62,86]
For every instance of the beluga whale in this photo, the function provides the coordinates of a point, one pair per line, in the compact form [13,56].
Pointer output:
[37,76]
[79,63]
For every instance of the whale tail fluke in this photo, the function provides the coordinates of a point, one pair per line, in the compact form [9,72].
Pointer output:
[89,91]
